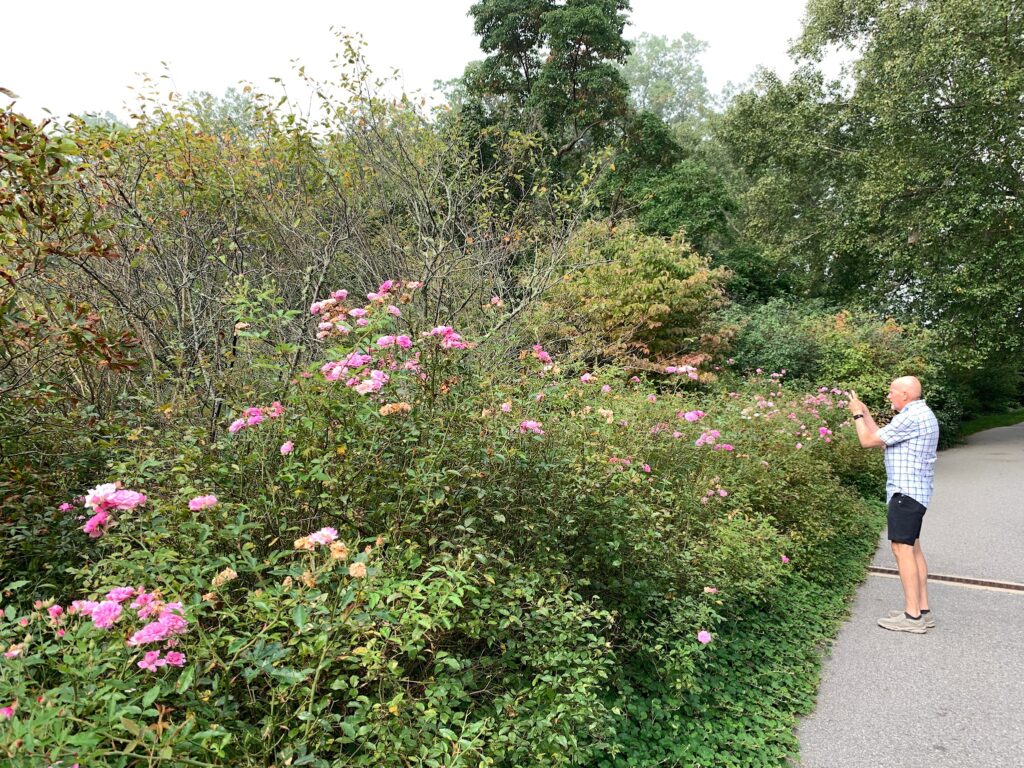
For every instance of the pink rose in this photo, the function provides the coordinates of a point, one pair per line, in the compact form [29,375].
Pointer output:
[151,661]
[202,502]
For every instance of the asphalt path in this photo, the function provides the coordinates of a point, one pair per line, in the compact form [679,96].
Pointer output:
[975,524]
[953,697]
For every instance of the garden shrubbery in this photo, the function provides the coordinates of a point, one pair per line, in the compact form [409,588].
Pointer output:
[852,349]
[402,557]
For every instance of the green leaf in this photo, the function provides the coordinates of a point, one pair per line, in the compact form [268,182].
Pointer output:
[151,695]
[185,681]
[299,616]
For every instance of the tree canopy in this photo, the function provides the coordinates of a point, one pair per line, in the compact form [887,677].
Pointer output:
[904,188]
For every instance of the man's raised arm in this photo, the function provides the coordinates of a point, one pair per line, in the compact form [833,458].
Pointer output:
[867,429]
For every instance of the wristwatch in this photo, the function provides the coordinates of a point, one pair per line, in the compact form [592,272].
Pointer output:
[858,416]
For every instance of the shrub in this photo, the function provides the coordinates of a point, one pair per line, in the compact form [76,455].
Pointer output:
[409,560]
[850,349]
[642,298]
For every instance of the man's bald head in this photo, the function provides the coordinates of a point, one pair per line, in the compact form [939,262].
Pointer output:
[904,390]
[909,384]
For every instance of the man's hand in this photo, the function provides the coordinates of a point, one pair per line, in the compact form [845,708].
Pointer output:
[867,430]
[855,405]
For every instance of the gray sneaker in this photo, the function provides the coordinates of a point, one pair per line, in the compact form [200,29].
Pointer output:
[929,620]
[901,623]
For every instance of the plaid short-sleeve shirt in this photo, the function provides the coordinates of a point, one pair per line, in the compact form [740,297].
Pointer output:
[911,439]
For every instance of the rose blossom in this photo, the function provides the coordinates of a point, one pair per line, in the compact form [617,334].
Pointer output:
[106,614]
[531,426]
[324,536]
[151,661]
[95,525]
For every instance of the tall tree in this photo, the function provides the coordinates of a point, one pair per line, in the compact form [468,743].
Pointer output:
[551,67]
[665,78]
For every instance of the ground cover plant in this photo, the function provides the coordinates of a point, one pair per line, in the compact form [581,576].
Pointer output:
[402,557]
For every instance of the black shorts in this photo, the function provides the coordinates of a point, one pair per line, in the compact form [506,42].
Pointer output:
[905,517]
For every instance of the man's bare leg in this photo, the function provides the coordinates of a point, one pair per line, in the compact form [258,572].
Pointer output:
[906,562]
[922,576]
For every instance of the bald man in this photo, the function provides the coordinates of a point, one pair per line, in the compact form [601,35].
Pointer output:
[910,441]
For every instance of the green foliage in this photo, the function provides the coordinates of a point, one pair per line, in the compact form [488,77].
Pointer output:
[665,79]
[991,421]
[851,350]
[495,596]
[689,197]
[901,192]
[551,67]
[752,684]
[645,298]
[527,561]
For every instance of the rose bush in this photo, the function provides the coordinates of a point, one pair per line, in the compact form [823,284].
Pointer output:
[447,566]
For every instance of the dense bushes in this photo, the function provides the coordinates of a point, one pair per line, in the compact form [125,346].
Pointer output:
[506,569]
[637,298]
[850,349]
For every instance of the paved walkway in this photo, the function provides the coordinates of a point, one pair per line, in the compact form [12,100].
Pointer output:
[955,696]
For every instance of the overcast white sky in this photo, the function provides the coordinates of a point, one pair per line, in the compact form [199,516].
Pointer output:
[81,55]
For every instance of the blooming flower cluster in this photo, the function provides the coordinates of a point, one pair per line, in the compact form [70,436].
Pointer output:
[165,620]
[689,370]
[391,341]
[151,661]
[105,498]
[328,537]
[449,338]
[531,426]
[708,437]
[170,621]
[337,319]
[712,493]
[366,370]
[256,415]
[324,537]
[202,502]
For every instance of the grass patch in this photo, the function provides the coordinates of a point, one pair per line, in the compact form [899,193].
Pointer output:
[991,421]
